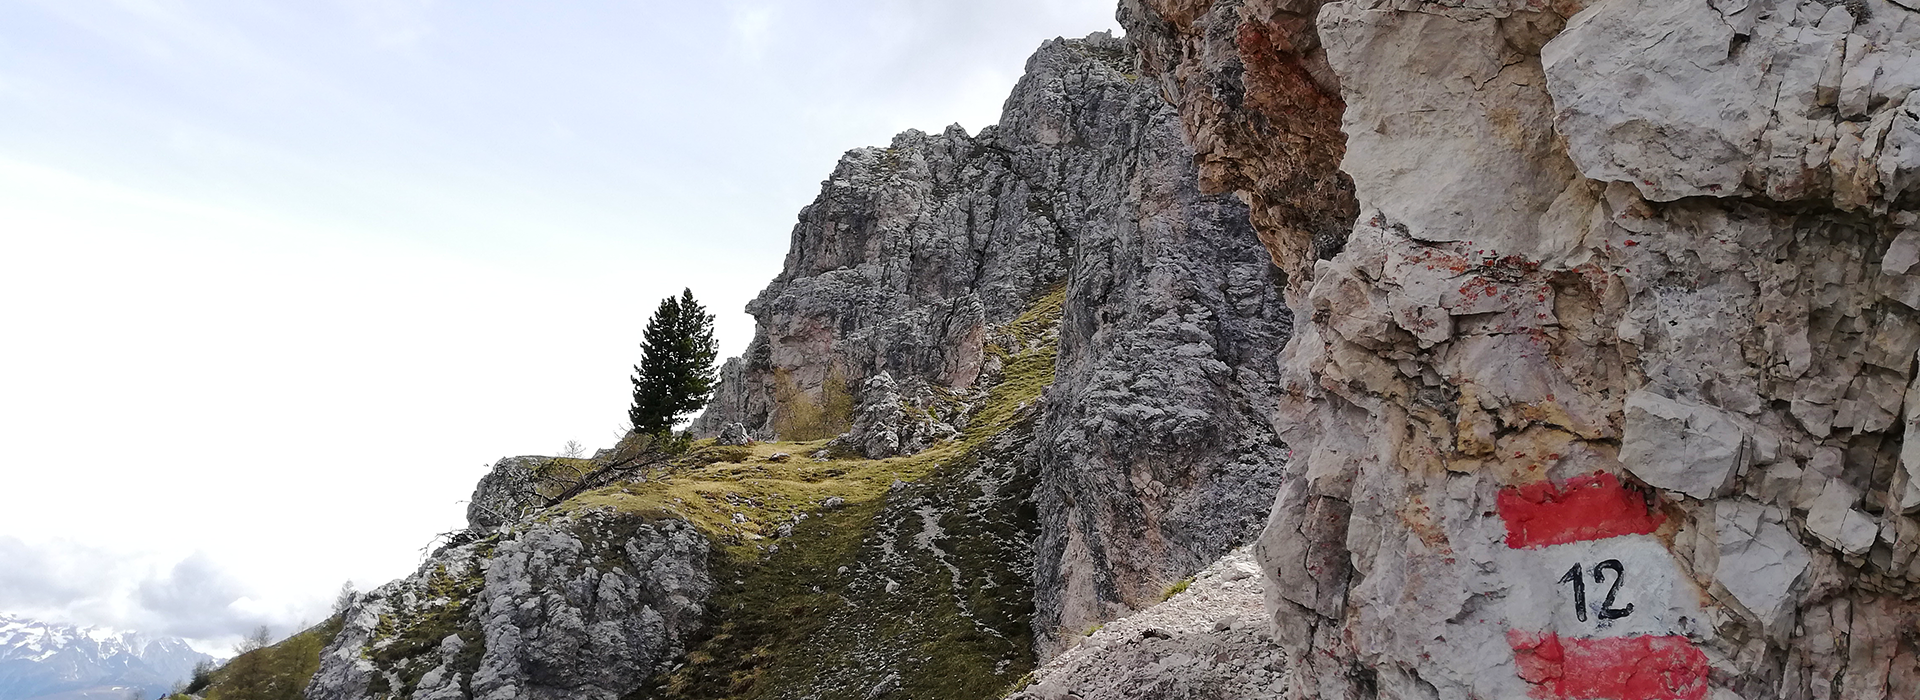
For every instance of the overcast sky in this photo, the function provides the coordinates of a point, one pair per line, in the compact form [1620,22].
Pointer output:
[279,280]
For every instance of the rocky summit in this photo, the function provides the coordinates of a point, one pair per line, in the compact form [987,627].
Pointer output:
[1549,349]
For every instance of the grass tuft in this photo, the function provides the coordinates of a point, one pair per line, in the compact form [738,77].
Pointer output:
[274,672]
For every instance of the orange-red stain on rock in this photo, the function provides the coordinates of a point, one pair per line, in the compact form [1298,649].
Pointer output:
[1590,507]
[1610,668]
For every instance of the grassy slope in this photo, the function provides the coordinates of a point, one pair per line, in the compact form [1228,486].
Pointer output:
[930,617]
[276,672]
[786,622]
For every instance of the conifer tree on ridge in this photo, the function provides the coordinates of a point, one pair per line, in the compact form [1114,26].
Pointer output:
[675,375]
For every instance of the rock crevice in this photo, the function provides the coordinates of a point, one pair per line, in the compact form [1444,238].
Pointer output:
[1656,250]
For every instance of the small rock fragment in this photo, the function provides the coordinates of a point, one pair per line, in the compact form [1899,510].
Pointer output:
[735,434]
[1833,519]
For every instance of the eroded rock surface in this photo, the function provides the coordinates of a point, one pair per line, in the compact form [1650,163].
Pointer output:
[507,492]
[912,251]
[1156,448]
[582,605]
[1158,453]
[1210,640]
[1657,252]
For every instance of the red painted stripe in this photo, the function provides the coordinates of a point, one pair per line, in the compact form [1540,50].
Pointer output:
[1611,668]
[1585,508]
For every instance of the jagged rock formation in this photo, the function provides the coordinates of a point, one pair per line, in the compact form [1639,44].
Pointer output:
[508,492]
[1157,453]
[1157,449]
[886,424]
[899,266]
[1626,303]
[583,604]
[1262,111]
[932,293]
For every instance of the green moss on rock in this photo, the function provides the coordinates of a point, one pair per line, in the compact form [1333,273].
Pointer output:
[406,642]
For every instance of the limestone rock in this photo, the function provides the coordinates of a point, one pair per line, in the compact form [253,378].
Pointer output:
[505,494]
[912,251]
[1833,519]
[1786,100]
[1678,446]
[1158,451]
[1261,107]
[1207,642]
[1654,244]
[734,434]
[585,605]
[1156,448]
[1760,561]
[887,425]
[1909,492]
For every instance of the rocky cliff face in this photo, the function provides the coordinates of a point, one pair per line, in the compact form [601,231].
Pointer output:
[1605,393]
[911,252]
[1155,450]
[1157,453]
[584,604]
[958,517]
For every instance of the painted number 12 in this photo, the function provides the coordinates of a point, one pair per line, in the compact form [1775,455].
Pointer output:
[1606,611]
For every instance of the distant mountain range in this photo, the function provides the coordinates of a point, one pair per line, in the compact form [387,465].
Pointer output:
[45,661]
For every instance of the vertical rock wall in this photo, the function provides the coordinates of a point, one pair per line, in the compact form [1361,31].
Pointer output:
[911,251]
[1605,393]
[1155,450]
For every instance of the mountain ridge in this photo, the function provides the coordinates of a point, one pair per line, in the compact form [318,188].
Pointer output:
[40,658]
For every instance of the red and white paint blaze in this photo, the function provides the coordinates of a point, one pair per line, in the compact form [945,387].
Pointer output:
[1604,612]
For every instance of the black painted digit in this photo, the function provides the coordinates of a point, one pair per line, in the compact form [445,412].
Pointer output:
[1607,611]
[1579,591]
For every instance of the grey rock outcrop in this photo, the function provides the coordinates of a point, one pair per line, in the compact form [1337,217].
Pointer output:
[734,435]
[1658,244]
[887,424]
[582,605]
[1209,641]
[899,266]
[508,492]
[1158,453]
[912,251]
[1157,450]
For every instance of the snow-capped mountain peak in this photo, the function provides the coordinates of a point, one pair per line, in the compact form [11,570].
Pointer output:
[41,658]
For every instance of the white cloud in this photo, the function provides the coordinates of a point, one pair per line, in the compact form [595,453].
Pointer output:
[285,277]
[752,29]
[193,597]
[394,24]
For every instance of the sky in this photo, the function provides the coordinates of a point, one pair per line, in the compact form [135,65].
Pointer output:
[279,281]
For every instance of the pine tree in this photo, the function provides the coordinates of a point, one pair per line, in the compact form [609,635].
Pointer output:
[675,375]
